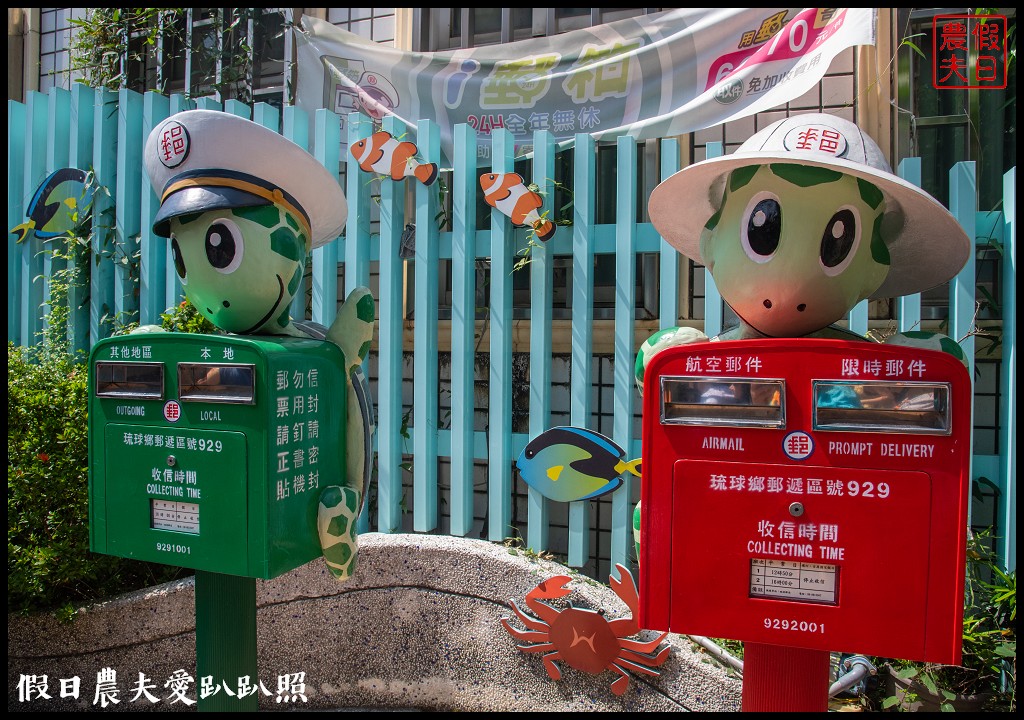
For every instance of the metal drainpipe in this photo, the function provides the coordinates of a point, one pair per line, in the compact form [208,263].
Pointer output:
[720,653]
[859,667]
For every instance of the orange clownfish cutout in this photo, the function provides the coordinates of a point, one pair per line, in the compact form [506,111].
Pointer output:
[382,154]
[508,194]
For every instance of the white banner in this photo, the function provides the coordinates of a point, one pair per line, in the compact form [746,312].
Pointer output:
[650,76]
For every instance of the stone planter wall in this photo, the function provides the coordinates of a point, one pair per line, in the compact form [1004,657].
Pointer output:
[418,627]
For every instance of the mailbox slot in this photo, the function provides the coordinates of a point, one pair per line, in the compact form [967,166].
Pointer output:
[905,407]
[724,402]
[217,383]
[139,380]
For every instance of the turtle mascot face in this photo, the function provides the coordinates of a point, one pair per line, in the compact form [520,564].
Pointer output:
[794,248]
[240,267]
[801,223]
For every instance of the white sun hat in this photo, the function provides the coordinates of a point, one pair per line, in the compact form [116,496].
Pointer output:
[926,244]
[201,160]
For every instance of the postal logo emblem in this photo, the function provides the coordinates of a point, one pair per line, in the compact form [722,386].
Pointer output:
[174,144]
[172,411]
[816,138]
[798,445]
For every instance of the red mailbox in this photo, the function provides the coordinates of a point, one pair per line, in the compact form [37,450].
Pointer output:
[807,493]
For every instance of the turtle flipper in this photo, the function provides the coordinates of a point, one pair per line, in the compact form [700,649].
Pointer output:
[352,329]
[352,332]
[336,527]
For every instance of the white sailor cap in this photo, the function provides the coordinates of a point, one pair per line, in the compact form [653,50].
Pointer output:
[201,160]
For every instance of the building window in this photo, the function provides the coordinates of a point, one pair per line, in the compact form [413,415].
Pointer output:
[239,53]
[377,24]
[54,41]
[452,28]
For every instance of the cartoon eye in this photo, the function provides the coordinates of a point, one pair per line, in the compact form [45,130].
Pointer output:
[840,240]
[224,245]
[761,227]
[179,261]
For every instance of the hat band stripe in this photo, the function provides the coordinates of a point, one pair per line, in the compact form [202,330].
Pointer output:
[275,196]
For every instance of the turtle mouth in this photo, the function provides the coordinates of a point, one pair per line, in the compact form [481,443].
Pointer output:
[273,309]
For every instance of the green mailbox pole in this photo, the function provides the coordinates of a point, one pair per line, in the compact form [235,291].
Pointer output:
[226,636]
[209,452]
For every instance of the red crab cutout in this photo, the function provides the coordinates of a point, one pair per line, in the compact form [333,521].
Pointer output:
[585,639]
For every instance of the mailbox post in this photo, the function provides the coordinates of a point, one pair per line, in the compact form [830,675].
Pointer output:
[208,452]
[778,477]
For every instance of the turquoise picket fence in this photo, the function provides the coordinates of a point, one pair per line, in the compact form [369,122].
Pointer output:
[105,132]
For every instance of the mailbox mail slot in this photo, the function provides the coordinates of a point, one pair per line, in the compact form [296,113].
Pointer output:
[130,380]
[209,452]
[776,494]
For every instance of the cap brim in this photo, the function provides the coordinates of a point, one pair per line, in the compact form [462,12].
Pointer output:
[930,248]
[201,199]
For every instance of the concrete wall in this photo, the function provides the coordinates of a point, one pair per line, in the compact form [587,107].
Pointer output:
[418,627]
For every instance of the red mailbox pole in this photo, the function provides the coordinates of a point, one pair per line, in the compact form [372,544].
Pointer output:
[776,477]
[778,678]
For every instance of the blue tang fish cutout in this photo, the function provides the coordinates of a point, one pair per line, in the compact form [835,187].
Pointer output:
[55,207]
[568,464]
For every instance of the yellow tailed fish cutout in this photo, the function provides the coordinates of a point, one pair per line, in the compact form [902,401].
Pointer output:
[56,207]
[567,464]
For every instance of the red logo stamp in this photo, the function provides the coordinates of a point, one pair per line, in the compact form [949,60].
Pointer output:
[969,52]
[174,144]
[816,138]
[172,411]
[798,445]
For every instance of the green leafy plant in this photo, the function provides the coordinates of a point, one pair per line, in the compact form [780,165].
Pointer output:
[101,46]
[184,317]
[517,545]
[563,216]
[988,667]
[83,247]
[113,47]
[49,564]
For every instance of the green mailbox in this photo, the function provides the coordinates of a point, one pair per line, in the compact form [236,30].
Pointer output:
[209,451]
